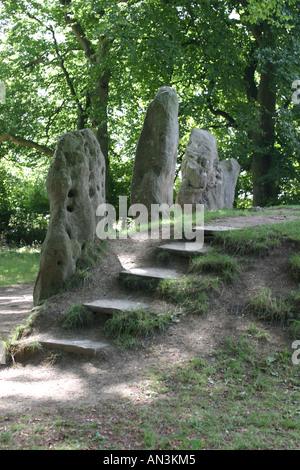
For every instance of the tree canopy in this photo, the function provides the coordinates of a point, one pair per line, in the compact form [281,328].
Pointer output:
[71,64]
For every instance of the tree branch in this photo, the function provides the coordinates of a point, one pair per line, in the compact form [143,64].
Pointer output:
[27,143]
[79,33]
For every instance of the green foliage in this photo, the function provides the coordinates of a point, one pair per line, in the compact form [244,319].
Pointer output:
[26,204]
[190,293]
[283,310]
[129,327]
[77,317]
[220,264]
[258,240]
[215,57]
[18,265]
[5,206]
[87,261]
[294,264]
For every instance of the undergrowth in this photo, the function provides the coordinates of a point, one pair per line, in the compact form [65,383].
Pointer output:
[190,293]
[258,240]
[282,310]
[127,328]
[77,317]
[294,265]
[85,265]
[223,265]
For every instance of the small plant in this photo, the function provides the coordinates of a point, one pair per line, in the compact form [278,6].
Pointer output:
[217,263]
[78,316]
[87,261]
[137,283]
[254,331]
[163,257]
[294,265]
[189,292]
[128,327]
[269,308]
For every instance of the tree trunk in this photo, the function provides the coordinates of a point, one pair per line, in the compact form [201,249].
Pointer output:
[264,187]
[99,102]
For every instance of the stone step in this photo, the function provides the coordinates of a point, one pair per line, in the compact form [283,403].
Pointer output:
[185,249]
[150,273]
[82,347]
[110,306]
[209,231]
[212,229]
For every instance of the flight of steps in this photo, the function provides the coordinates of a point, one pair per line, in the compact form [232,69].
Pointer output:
[104,308]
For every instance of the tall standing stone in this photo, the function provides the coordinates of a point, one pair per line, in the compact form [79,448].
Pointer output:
[156,153]
[75,186]
[206,180]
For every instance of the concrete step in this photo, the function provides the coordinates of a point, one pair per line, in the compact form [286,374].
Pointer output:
[81,347]
[151,273]
[108,307]
[185,249]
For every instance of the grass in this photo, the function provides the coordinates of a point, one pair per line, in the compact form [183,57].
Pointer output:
[13,344]
[243,396]
[87,261]
[77,317]
[259,240]
[266,306]
[294,265]
[18,265]
[127,328]
[217,263]
[236,399]
[190,293]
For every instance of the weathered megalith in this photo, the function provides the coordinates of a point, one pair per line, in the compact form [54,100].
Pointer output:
[230,170]
[75,186]
[156,153]
[206,180]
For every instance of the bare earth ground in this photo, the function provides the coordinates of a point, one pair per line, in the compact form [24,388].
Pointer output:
[50,382]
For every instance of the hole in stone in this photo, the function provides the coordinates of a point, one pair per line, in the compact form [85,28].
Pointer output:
[72,193]
[59,263]
[70,208]
[91,192]
[68,230]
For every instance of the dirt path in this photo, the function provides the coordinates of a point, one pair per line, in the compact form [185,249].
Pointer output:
[15,306]
[52,381]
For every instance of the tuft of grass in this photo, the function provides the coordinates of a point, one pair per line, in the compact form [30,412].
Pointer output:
[294,265]
[128,327]
[77,317]
[87,261]
[190,293]
[283,310]
[221,264]
[258,240]
[138,283]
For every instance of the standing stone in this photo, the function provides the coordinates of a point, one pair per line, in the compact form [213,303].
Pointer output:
[75,186]
[230,170]
[156,153]
[206,180]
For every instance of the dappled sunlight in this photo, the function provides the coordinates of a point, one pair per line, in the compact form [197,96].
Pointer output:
[39,384]
[15,304]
